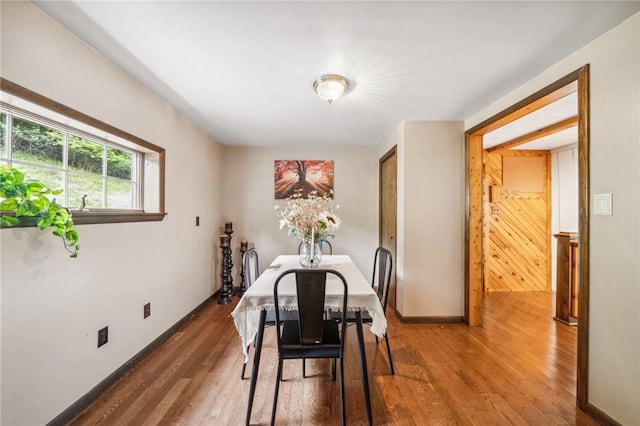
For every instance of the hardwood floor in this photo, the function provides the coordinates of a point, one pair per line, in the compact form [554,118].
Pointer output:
[519,368]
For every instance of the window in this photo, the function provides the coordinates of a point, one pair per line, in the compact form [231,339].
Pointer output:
[121,175]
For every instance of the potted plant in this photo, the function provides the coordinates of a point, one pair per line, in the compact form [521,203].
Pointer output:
[21,198]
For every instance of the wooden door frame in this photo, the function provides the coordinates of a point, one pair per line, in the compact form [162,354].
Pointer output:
[393,151]
[575,81]
[382,159]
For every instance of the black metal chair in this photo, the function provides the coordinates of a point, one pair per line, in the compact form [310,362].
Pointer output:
[326,248]
[311,335]
[325,245]
[251,270]
[250,266]
[381,282]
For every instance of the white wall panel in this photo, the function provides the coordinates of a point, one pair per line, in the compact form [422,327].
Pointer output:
[53,306]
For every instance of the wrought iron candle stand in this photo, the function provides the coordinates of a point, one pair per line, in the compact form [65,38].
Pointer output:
[227,265]
[243,250]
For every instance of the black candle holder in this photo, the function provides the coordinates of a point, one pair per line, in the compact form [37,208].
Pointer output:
[243,250]
[227,265]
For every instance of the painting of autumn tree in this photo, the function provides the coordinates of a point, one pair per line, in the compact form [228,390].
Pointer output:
[304,176]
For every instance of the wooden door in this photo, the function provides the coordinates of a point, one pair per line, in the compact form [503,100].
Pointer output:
[388,218]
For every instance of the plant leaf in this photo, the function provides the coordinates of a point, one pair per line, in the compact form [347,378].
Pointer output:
[44,223]
[35,187]
[72,236]
[27,208]
[9,204]
[8,221]
[31,199]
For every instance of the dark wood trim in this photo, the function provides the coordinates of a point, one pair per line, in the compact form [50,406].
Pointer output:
[467,217]
[474,252]
[161,182]
[467,225]
[77,407]
[31,96]
[91,218]
[429,319]
[577,80]
[384,158]
[599,416]
[582,379]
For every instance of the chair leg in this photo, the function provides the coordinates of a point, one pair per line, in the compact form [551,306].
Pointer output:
[343,408]
[304,368]
[386,338]
[333,368]
[275,394]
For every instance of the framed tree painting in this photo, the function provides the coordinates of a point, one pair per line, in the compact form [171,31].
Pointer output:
[304,176]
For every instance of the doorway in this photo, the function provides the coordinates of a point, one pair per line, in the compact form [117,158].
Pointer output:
[474,255]
[388,211]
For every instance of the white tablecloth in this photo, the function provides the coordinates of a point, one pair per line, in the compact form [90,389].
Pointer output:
[361,296]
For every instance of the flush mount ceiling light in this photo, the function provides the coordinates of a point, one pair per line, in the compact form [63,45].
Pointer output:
[330,87]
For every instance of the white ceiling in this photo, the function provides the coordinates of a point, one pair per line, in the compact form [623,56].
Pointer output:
[243,71]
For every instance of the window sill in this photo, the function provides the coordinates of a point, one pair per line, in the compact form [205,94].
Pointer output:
[90,218]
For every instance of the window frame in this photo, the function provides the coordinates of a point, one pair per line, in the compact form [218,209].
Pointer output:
[96,216]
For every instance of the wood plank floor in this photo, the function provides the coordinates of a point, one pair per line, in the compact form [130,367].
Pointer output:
[519,368]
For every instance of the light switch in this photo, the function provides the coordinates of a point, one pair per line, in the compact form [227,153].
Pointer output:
[602,205]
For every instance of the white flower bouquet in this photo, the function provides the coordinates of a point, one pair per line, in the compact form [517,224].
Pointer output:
[310,218]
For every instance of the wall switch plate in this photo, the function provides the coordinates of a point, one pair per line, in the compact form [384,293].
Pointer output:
[103,336]
[197,220]
[147,310]
[602,205]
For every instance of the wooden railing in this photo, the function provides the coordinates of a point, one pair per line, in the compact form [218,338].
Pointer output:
[567,285]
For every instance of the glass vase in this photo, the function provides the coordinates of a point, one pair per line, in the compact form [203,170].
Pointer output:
[310,255]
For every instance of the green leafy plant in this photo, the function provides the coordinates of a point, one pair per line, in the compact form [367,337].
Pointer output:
[26,198]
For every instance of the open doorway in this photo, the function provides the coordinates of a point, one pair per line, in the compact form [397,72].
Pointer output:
[530,195]
[578,81]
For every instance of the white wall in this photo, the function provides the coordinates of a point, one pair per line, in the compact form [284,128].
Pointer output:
[564,193]
[249,200]
[564,199]
[433,232]
[430,235]
[614,311]
[53,306]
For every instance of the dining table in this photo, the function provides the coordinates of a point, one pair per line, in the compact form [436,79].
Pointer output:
[250,313]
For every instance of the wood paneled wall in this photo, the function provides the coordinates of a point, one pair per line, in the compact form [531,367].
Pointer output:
[517,227]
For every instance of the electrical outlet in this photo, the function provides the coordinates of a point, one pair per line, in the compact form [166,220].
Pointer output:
[147,310]
[103,336]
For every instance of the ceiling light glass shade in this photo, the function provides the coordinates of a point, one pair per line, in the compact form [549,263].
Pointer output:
[330,87]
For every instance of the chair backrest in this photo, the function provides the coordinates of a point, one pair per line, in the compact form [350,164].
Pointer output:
[382,273]
[310,295]
[250,266]
[325,245]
